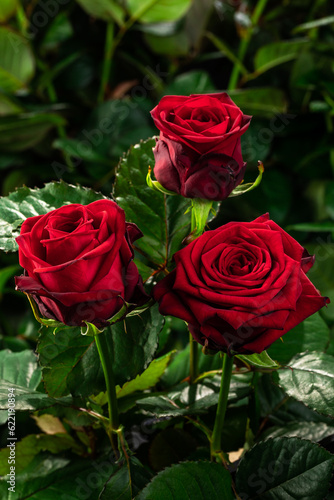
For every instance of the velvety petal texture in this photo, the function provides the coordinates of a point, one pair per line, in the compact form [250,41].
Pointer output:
[78,262]
[198,154]
[240,287]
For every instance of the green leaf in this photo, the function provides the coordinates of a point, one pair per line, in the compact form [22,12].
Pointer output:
[157,11]
[329,198]
[198,81]
[310,379]
[17,63]
[28,399]
[111,129]
[178,369]
[194,399]
[7,9]
[314,24]
[8,107]
[267,101]
[20,368]
[127,481]
[273,54]
[310,335]
[280,409]
[23,131]
[26,202]
[38,475]
[313,227]
[262,360]
[161,219]
[176,45]
[322,272]
[59,30]
[53,478]
[75,148]
[189,481]
[148,378]
[30,446]
[108,10]
[330,346]
[134,343]
[163,406]
[284,468]
[70,363]
[171,446]
[144,270]
[270,395]
[313,431]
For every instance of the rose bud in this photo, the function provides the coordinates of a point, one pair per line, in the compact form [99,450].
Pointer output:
[198,154]
[240,287]
[78,263]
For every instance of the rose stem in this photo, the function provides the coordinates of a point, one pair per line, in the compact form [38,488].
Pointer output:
[193,359]
[108,54]
[222,404]
[198,207]
[260,6]
[106,362]
[193,356]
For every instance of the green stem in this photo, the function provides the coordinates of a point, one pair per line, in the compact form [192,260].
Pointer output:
[193,356]
[193,359]
[193,217]
[232,84]
[254,405]
[62,134]
[200,210]
[222,405]
[22,20]
[260,6]
[157,82]
[106,362]
[109,48]
[225,50]
[112,43]
[130,22]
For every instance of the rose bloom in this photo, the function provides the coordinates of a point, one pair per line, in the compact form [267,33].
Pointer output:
[78,262]
[198,154]
[240,287]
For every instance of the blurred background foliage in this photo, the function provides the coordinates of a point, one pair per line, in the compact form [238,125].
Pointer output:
[79,77]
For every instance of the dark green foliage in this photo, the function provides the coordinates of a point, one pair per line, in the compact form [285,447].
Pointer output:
[77,82]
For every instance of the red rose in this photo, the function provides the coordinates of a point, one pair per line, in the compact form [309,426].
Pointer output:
[198,154]
[78,262]
[241,286]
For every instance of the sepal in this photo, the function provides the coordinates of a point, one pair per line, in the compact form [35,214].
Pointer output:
[43,321]
[156,185]
[244,188]
[91,330]
[140,309]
